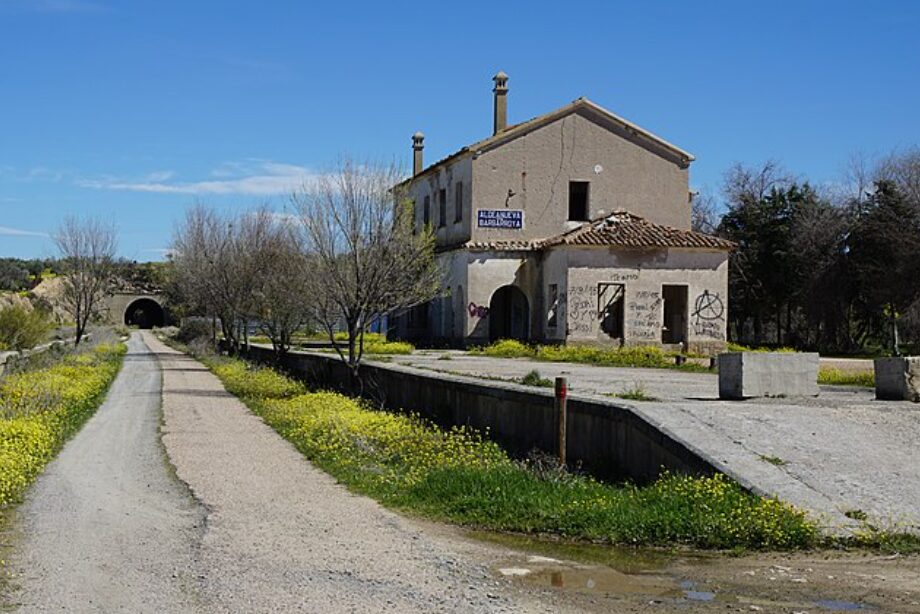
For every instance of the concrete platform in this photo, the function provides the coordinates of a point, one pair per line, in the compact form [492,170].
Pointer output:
[841,451]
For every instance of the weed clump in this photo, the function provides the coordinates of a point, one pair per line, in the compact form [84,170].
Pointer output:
[535,379]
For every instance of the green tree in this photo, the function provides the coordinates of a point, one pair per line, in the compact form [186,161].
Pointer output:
[884,255]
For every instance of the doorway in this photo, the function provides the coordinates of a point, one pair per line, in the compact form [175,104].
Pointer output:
[674,327]
[509,314]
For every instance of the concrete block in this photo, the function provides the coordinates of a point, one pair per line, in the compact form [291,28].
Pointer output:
[745,375]
[898,378]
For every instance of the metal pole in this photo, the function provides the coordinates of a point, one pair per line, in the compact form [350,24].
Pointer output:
[562,391]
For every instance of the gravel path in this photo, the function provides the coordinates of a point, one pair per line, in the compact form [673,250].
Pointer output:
[107,528]
[236,520]
[282,535]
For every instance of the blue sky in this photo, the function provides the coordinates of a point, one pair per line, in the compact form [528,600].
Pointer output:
[132,110]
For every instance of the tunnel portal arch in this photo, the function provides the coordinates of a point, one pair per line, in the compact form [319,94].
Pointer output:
[144,313]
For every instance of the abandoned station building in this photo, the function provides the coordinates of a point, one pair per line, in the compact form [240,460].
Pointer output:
[572,227]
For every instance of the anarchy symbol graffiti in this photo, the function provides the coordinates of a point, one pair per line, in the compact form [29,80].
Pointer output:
[708,307]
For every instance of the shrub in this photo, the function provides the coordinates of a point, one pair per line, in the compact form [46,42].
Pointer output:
[839,377]
[41,409]
[195,328]
[376,343]
[506,348]
[458,475]
[21,328]
[630,356]
[737,347]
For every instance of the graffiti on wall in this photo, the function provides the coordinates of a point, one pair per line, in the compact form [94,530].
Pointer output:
[708,317]
[477,311]
[643,315]
[582,311]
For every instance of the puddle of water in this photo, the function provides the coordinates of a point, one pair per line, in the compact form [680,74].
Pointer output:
[600,580]
[612,570]
[623,559]
[840,606]
[699,595]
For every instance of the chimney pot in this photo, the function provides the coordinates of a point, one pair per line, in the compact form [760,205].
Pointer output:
[500,113]
[418,145]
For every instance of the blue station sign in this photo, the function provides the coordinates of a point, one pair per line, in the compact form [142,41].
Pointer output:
[500,218]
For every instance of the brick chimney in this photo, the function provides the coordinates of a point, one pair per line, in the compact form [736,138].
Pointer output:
[418,145]
[501,102]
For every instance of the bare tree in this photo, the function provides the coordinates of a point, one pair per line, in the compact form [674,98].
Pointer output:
[87,250]
[213,269]
[279,292]
[902,169]
[366,259]
[744,185]
[703,214]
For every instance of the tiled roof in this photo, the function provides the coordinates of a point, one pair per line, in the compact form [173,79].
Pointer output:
[502,246]
[623,229]
[582,104]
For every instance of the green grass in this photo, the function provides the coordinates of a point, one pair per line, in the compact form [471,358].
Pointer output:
[632,356]
[459,476]
[636,393]
[773,460]
[839,377]
[737,347]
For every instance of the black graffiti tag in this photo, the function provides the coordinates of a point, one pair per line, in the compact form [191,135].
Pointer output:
[708,307]
[708,316]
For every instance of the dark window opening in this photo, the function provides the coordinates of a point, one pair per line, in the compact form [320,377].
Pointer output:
[553,313]
[578,201]
[442,208]
[458,202]
[610,300]
[426,212]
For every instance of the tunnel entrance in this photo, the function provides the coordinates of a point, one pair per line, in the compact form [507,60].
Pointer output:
[145,313]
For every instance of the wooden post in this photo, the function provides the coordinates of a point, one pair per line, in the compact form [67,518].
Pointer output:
[562,391]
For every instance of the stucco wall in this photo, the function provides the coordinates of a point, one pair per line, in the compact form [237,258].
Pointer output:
[490,270]
[643,273]
[430,184]
[538,166]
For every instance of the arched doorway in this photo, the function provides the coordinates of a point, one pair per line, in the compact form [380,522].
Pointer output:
[144,313]
[509,314]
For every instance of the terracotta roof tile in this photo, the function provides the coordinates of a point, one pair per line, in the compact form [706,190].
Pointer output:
[502,246]
[623,229]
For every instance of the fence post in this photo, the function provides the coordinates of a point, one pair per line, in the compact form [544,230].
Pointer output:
[562,391]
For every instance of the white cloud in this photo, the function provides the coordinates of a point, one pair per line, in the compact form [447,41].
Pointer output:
[17,232]
[263,178]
